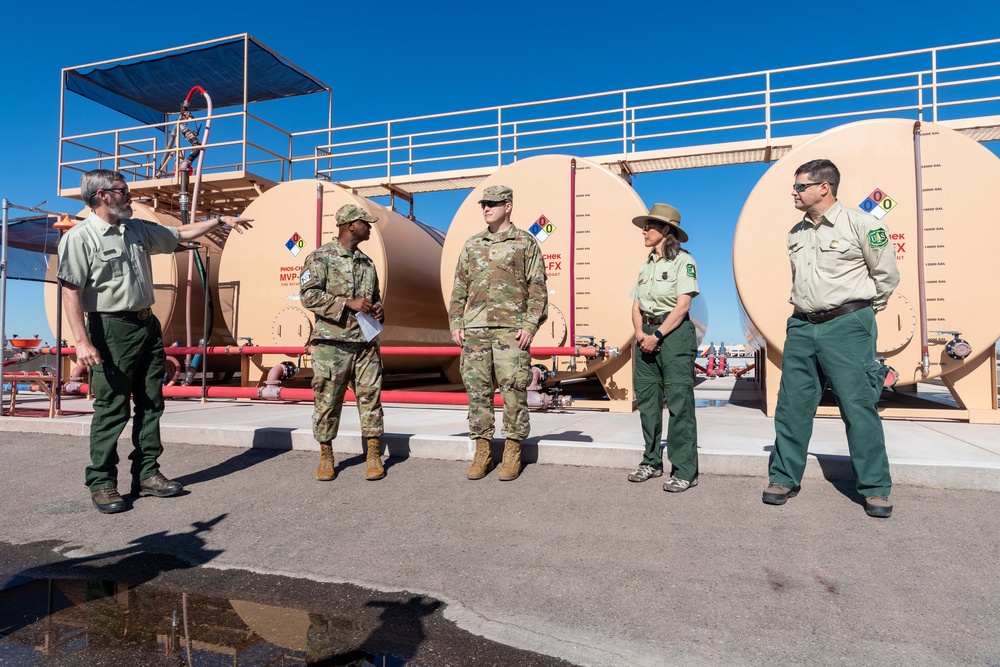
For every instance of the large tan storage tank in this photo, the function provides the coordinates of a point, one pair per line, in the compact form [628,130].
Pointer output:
[961,234]
[259,276]
[170,273]
[581,214]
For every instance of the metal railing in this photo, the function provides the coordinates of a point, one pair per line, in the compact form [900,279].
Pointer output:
[623,124]
[941,84]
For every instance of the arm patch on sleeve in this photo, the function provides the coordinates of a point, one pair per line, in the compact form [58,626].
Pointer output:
[877,238]
[691,272]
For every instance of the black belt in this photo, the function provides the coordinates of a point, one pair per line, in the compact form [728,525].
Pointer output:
[133,315]
[657,319]
[821,316]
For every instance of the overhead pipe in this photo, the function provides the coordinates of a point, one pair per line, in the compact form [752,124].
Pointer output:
[183,168]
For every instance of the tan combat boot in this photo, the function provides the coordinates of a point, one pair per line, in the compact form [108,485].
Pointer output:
[482,463]
[374,469]
[510,467]
[326,472]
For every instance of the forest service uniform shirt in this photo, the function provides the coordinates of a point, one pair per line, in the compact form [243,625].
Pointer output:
[845,256]
[111,263]
[499,282]
[331,276]
[662,281]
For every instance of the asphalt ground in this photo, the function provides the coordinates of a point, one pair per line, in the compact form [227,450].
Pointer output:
[570,562]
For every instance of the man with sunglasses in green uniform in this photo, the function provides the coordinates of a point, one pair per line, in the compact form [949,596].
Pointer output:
[843,272]
[105,272]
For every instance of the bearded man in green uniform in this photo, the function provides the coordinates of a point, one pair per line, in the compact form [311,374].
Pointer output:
[843,272]
[497,304]
[339,285]
[105,272]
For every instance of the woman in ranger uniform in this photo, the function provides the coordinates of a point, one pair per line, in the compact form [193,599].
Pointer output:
[665,349]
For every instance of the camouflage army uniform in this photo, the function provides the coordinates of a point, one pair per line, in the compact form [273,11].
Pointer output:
[499,288]
[340,354]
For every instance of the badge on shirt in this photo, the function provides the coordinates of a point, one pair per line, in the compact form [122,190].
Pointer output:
[833,244]
[691,272]
[877,238]
[304,278]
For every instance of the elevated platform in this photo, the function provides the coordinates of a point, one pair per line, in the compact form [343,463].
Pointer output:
[222,193]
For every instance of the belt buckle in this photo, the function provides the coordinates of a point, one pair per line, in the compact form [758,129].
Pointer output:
[143,314]
[814,318]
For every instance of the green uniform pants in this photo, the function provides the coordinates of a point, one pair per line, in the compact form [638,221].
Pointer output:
[491,354]
[668,373]
[840,352]
[132,353]
[335,364]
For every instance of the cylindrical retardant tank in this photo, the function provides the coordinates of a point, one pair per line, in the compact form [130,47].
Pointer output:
[581,215]
[259,275]
[954,259]
[170,273]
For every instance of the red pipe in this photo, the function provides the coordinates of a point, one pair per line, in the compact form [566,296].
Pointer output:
[579,351]
[572,251]
[319,214]
[287,394]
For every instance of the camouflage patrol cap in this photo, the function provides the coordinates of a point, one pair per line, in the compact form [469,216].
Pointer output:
[351,212]
[497,193]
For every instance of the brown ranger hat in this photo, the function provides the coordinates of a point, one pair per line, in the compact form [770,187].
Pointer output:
[666,214]
[351,212]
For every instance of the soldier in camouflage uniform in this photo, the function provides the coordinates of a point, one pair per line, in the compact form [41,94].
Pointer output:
[339,281]
[498,302]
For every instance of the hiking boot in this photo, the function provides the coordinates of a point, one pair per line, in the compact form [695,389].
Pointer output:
[879,507]
[158,486]
[482,462]
[374,470]
[107,501]
[644,472]
[510,467]
[776,494]
[326,471]
[675,485]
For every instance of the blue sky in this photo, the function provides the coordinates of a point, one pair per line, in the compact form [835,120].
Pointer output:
[396,59]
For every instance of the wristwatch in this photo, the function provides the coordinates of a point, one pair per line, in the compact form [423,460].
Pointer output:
[659,336]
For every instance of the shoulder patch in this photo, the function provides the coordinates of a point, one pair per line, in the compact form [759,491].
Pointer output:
[877,238]
[304,278]
[691,272]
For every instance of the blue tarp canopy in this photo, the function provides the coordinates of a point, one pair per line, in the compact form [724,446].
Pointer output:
[148,88]
[31,245]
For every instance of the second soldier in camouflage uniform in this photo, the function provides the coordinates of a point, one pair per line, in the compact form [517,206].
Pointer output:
[338,281]
[497,304]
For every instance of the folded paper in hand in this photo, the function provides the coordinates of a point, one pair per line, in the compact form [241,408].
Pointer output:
[370,327]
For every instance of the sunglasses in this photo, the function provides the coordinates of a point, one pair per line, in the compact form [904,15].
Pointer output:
[492,204]
[123,191]
[802,187]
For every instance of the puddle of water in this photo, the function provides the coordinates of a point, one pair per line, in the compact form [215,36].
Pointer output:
[709,403]
[85,622]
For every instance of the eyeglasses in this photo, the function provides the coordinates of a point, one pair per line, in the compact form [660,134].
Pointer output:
[802,187]
[123,191]
[492,204]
